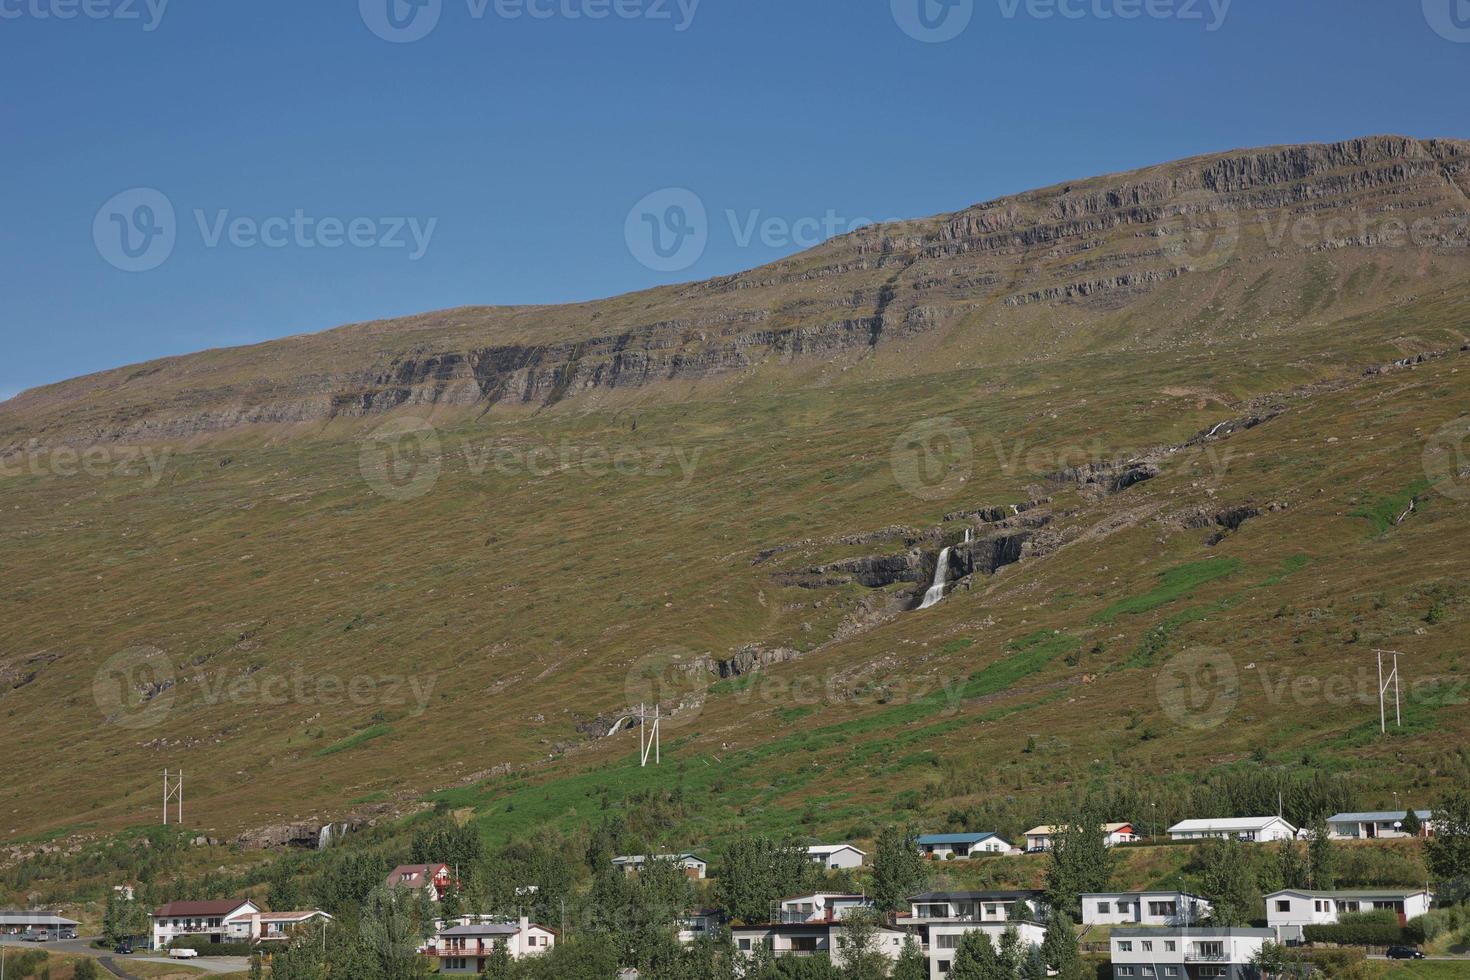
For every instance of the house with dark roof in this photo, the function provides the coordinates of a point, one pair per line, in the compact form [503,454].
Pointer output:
[945,846]
[463,949]
[224,920]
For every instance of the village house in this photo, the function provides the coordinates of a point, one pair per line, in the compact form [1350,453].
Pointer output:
[1371,826]
[13,923]
[1149,908]
[1239,828]
[434,880]
[819,938]
[268,927]
[1039,839]
[820,907]
[463,949]
[971,906]
[942,940]
[941,847]
[694,866]
[835,857]
[699,924]
[220,921]
[1291,910]
[1186,954]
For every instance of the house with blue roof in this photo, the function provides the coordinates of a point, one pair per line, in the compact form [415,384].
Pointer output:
[943,847]
[1375,824]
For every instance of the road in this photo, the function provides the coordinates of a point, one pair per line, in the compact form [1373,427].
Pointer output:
[119,964]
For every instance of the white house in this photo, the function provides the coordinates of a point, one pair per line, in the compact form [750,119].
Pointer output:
[1040,838]
[819,907]
[809,939]
[280,926]
[1370,826]
[944,846]
[1292,909]
[434,880]
[222,921]
[836,856]
[943,940]
[463,950]
[693,866]
[699,924]
[1186,954]
[1240,828]
[1157,908]
[992,906]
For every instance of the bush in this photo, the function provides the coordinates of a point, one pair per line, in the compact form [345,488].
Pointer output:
[1441,922]
[206,948]
[1367,933]
[1339,964]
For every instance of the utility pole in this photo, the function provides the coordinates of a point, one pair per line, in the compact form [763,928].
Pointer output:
[176,793]
[649,743]
[1383,685]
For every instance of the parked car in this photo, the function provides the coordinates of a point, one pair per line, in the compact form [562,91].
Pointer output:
[1404,953]
[34,937]
[124,948]
[182,954]
[67,934]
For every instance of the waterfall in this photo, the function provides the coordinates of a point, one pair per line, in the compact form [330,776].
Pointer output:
[941,579]
[324,837]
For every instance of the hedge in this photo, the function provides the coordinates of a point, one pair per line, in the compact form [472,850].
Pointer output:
[212,949]
[1358,934]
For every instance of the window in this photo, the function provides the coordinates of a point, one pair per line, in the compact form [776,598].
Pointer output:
[1171,971]
[1104,908]
[1170,946]
[1148,971]
[949,942]
[1212,971]
[1320,906]
[745,945]
[1148,945]
[1125,945]
[1125,971]
[1284,905]
[1163,909]
[944,966]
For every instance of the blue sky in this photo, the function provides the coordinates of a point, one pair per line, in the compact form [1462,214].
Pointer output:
[498,158]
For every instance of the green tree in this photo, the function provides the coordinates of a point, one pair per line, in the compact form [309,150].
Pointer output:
[912,963]
[85,969]
[1273,960]
[859,945]
[1413,826]
[757,872]
[1010,953]
[976,959]
[1294,872]
[1033,964]
[257,967]
[1321,856]
[1447,853]
[1081,861]
[394,922]
[1229,881]
[498,965]
[898,869]
[1059,948]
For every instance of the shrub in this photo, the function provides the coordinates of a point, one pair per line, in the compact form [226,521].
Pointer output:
[1367,933]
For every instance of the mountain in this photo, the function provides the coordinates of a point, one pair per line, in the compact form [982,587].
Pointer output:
[1192,437]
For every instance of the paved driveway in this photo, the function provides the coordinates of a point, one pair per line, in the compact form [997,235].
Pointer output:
[119,964]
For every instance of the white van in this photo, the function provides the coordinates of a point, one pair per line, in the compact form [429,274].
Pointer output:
[182,954]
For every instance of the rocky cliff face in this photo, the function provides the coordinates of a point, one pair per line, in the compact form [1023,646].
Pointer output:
[1135,242]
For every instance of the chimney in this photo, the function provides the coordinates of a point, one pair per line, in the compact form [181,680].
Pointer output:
[525,928]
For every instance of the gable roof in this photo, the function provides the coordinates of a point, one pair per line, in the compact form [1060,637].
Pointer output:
[302,916]
[1228,823]
[219,907]
[1047,830]
[413,875]
[833,849]
[957,838]
[646,858]
[1006,896]
[1383,816]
